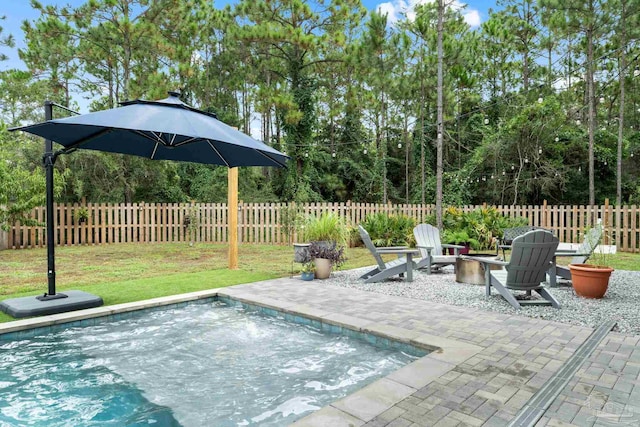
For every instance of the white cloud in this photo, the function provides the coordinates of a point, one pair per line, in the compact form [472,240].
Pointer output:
[399,9]
[472,18]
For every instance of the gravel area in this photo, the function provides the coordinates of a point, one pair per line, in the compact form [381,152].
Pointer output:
[621,302]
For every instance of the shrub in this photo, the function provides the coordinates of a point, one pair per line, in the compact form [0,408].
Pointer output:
[389,230]
[326,227]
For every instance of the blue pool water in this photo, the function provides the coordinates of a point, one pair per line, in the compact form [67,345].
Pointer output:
[198,365]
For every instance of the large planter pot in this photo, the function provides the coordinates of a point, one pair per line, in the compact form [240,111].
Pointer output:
[323,268]
[590,281]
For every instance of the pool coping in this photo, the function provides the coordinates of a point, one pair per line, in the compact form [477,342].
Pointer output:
[355,409]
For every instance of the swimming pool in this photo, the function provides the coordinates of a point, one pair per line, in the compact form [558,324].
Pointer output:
[200,364]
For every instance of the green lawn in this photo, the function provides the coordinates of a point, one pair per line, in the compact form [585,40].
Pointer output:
[132,272]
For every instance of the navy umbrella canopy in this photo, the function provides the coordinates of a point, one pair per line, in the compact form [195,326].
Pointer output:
[167,129]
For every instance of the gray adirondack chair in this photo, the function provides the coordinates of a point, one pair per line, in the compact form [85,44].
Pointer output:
[428,242]
[508,234]
[397,267]
[582,254]
[531,257]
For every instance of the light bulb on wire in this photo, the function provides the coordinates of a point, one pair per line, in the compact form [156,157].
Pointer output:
[399,145]
[540,100]
[333,154]
[557,139]
[364,151]
[486,121]
[636,72]
[578,122]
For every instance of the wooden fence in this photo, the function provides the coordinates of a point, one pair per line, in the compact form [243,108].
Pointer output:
[270,223]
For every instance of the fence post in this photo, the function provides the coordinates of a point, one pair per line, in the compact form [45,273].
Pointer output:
[544,214]
[4,239]
[605,222]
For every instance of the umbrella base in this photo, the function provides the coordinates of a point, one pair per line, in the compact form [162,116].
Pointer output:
[38,306]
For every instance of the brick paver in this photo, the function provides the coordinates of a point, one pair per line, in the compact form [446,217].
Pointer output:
[518,354]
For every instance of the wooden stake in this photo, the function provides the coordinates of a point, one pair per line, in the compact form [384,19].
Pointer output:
[232,207]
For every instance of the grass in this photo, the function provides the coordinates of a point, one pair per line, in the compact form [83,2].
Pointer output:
[133,272]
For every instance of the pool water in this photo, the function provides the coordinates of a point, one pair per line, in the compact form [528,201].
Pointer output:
[198,365]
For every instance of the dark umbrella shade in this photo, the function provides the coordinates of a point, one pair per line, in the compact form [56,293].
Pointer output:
[159,130]
[167,129]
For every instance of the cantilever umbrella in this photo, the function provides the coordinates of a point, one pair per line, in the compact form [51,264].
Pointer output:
[167,129]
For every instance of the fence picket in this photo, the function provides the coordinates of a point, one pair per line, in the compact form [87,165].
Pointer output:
[261,222]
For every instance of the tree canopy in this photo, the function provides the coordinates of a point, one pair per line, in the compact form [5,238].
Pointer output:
[542,101]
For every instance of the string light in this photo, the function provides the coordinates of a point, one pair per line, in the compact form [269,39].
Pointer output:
[364,151]
[579,168]
[399,145]
[306,154]
[636,72]
[503,173]
[512,167]
[578,122]
[557,139]
[535,176]
[539,150]
[486,121]
[333,154]
[602,100]
[526,160]
[540,100]
[492,176]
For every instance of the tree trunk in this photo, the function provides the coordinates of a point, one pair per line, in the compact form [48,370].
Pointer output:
[622,66]
[440,126]
[592,115]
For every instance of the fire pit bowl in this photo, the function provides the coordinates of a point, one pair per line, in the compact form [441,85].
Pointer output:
[471,271]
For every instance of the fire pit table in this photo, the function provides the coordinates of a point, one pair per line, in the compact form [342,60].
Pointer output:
[471,271]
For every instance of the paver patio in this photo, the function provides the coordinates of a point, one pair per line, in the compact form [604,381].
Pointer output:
[512,358]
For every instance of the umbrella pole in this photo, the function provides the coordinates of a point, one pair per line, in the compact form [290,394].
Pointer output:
[49,160]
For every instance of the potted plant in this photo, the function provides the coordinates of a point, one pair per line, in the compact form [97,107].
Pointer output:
[462,238]
[308,271]
[328,227]
[592,280]
[325,257]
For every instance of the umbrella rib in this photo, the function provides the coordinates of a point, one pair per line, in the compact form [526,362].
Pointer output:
[270,158]
[186,141]
[218,153]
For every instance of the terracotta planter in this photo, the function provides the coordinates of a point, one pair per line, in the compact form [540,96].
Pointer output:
[590,281]
[323,268]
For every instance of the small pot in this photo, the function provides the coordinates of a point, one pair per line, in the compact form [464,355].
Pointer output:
[323,268]
[307,275]
[590,281]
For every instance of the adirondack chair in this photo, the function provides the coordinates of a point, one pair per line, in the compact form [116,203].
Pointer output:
[531,257]
[582,254]
[508,234]
[428,242]
[383,270]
